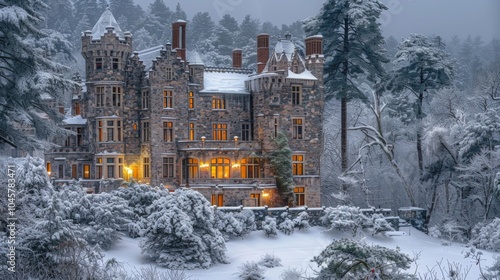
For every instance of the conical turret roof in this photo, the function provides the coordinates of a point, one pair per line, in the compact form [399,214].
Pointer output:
[107,19]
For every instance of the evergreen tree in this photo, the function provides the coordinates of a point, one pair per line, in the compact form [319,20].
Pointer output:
[353,39]
[420,67]
[82,26]
[281,165]
[201,27]
[160,12]
[391,46]
[28,79]
[229,23]
[249,28]
[179,13]
[88,7]
[58,12]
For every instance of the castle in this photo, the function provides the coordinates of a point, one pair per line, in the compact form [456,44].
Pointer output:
[160,116]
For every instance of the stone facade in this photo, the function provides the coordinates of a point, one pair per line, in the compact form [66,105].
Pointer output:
[161,117]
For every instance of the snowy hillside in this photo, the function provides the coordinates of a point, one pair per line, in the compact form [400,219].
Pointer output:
[298,249]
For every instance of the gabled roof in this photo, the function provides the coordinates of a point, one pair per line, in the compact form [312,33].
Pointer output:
[229,81]
[106,19]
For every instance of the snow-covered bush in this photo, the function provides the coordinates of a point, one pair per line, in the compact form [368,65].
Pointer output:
[487,236]
[344,218]
[227,224]
[494,270]
[247,219]
[250,271]
[269,226]
[287,225]
[301,221]
[292,274]
[180,233]
[270,261]
[350,259]
[380,224]
[33,186]
[449,230]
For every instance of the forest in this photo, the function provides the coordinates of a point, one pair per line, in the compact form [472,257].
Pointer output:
[411,122]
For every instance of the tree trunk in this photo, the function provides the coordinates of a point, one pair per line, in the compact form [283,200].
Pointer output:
[419,125]
[345,72]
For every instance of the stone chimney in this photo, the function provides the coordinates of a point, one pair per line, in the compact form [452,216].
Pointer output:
[262,51]
[237,58]
[179,38]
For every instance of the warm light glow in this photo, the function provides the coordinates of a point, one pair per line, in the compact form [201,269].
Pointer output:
[265,194]
[236,165]
[204,165]
[48,172]
[129,171]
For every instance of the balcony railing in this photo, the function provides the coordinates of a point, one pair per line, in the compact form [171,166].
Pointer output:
[218,145]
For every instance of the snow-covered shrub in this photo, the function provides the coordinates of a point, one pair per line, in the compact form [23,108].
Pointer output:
[32,184]
[287,225]
[494,270]
[350,259]
[179,232]
[247,219]
[380,224]
[152,273]
[227,224]
[487,236]
[301,221]
[449,230]
[344,218]
[270,261]
[269,226]
[292,274]
[134,230]
[250,271]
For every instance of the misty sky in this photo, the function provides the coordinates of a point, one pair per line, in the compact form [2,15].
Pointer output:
[429,17]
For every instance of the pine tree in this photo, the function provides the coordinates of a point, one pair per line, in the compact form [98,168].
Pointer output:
[229,23]
[28,78]
[352,37]
[202,27]
[420,67]
[281,166]
[179,13]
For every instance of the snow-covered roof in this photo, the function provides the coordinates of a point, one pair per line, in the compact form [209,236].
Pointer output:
[286,46]
[106,20]
[224,82]
[194,58]
[148,55]
[76,120]
[306,75]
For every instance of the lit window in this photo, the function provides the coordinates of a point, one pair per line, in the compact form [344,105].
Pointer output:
[86,171]
[256,196]
[191,100]
[109,131]
[218,103]
[220,168]
[192,135]
[250,168]
[296,95]
[73,171]
[76,108]
[117,96]
[300,196]
[219,131]
[48,167]
[297,132]
[298,164]
[146,167]
[99,96]
[168,99]
[168,167]
[218,199]
[145,99]
[168,131]
[145,132]
[193,168]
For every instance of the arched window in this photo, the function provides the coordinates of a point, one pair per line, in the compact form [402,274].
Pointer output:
[219,168]
[250,168]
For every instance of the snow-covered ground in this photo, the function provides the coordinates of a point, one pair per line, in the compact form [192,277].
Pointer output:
[298,249]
